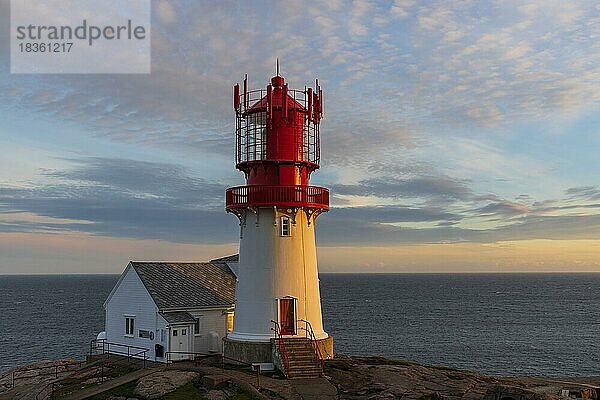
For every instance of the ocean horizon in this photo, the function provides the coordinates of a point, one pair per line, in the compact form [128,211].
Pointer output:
[497,323]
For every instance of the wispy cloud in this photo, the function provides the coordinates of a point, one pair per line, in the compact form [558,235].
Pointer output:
[439,122]
[126,198]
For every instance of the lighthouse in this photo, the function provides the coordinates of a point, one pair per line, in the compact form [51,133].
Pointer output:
[278,304]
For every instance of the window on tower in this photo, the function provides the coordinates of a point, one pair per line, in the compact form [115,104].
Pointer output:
[285,226]
[254,142]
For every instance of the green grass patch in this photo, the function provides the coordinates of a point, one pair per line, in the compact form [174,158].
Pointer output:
[116,372]
[126,390]
[185,392]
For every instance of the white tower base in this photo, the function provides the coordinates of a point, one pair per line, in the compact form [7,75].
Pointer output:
[277,265]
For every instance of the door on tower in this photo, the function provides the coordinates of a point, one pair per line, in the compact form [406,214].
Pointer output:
[287,315]
[180,343]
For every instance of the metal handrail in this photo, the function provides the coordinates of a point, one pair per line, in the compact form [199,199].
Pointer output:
[168,353]
[310,334]
[106,346]
[56,367]
[281,347]
[48,390]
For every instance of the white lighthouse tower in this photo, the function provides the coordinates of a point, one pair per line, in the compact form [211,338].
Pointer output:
[278,304]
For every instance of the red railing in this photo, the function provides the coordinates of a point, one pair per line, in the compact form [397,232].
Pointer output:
[284,196]
[310,334]
[280,342]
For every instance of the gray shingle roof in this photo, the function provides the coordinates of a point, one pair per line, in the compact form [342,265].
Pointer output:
[228,259]
[187,285]
[177,317]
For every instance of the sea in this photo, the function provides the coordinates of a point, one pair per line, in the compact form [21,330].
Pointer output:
[498,324]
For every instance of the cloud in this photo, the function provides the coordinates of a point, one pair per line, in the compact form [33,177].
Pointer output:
[124,198]
[400,8]
[432,187]
[453,63]
[392,214]
[361,232]
[412,91]
[168,183]
[584,192]
[503,208]
[144,200]
[166,12]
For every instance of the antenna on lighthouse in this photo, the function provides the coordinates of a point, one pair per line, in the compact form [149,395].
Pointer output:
[277,66]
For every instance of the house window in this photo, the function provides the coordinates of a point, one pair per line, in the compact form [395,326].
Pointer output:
[174,332]
[129,325]
[197,325]
[285,226]
[230,321]
[183,332]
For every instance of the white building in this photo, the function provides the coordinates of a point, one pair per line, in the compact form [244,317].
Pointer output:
[170,307]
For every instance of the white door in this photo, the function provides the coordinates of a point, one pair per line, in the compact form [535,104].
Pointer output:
[180,342]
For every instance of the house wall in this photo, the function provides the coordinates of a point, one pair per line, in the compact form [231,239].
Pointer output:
[130,298]
[214,321]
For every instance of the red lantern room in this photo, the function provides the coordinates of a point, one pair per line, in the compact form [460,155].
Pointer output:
[277,146]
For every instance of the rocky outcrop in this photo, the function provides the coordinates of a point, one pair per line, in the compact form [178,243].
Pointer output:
[158,384]
[380,378]
[25,381]
[353,378]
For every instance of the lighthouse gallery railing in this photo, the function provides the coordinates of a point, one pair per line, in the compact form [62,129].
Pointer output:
[284,196]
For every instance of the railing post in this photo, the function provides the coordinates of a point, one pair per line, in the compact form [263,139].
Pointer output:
[13,378]
[128,358]
[258,376]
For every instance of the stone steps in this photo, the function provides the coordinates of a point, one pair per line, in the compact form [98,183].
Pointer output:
[302,360]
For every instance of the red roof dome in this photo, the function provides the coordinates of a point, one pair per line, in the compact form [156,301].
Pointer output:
[277,99]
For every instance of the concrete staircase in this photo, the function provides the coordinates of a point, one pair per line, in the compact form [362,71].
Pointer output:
[303,362]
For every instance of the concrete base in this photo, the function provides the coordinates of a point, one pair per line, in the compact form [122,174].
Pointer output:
[326,347]
[259,352]
[246,352]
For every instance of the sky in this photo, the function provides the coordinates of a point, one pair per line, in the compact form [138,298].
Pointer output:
[458,136]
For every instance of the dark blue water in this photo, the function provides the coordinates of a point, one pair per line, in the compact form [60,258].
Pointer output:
[536,324]
[498,323]
[50,316]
